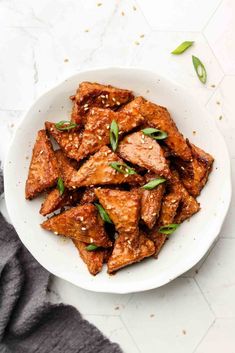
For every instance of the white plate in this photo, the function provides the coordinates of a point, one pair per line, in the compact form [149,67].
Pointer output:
[185,247]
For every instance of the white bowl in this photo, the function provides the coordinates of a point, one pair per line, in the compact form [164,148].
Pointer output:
[184,248]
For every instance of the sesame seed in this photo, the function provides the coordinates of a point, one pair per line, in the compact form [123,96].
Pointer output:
[82,218]
[86,30]
[102,96]
[74,187]
[71,197]
[142,36]
[118,103]
[91,240]
[99,137]
[134,8]
[51,129]
[56,233]
[92,112]
[107,126]
[107,96]
[103,102]
[86,108]
[113,99]
[123,13]
[85,105]
[107,105]
[99,4]
[137,43]
[83,228]
[150,147]
[41,152]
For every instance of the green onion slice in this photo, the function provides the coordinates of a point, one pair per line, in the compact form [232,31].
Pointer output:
[60,185]
[65,125]
[200,69]
[155,133]
[91,247]
[113,135]
[168,229]
[153,183]
[122,168]
[103,213]
[182,47]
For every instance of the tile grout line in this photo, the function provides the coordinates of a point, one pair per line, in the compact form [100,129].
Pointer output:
[207,302]
[132,338]
[205,334]
[212,15]
[217,61]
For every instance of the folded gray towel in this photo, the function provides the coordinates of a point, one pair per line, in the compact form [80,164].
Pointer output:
[28,322]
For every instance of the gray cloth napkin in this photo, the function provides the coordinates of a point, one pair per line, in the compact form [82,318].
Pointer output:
[28,322]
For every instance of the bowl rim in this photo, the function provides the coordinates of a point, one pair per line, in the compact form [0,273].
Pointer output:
[135,286]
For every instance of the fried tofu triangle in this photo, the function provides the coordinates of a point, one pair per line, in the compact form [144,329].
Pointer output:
[194,175]
[169,208]
[67,167]
[97,171]
[93,259]
[159,118]
[151,202]
[142,150]
[123,208]
[68,141]
[90,95]
[43,169]
[80,223]
[127,252]
[97,128]
[54,201]
[188,204]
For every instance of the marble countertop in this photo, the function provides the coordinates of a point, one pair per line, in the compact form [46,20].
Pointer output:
[42,42]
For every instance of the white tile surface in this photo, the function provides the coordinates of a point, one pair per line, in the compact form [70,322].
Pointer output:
[216,278]
[155,54]
[178,15]
[220,34]
[222,107]
[90,303]
[220,338]
[157,311]
[194,314]
[115,330]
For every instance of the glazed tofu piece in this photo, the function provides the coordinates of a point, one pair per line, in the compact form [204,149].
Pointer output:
[43,169]
[145,152]
[168,212]
[91,94]
[67,167]
[188,204]
[158,117]
[88,196]
[97,171]
[127,252]
[93,259]
[80,223]
[194,175]
[97,128]
[54,201]
[123,208]
[69,141]
[151,202]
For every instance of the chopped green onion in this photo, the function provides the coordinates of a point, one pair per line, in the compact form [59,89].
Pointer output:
[122,168]
[155,133]
[103,213]
[168,229]
[60,185]
[200,69]
[153,183]
[65,125]
[91,247]
[113,135]
[182,47]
